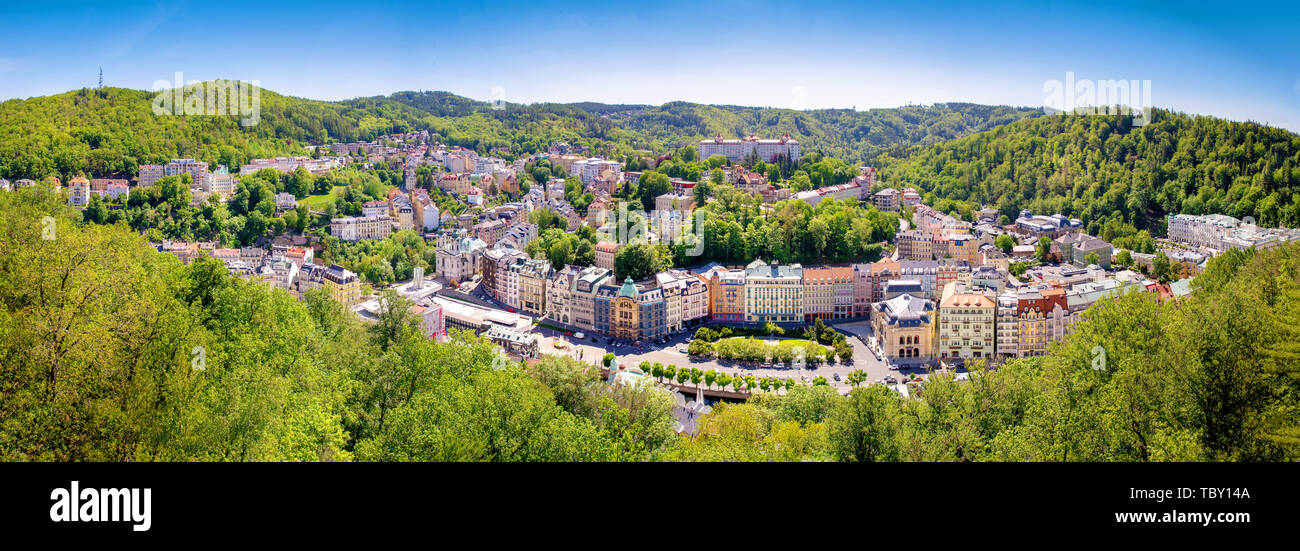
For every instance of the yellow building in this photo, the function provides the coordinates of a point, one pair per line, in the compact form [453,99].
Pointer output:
[1032,334]
[1036,309]
[961,246]
[905,326]
[625,313]
[533,277]
[967,323]
[915,245]
[343,285]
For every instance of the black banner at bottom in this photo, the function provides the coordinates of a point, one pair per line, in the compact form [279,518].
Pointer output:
[166,502]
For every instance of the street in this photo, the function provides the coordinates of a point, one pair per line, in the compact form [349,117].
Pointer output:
[593,347]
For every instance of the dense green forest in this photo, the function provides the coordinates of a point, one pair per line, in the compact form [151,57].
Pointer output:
[858,136]
[111,131]
[113,351]
[1120,180]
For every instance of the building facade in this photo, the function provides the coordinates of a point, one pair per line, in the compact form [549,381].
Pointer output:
[533,282]
[726,295]
[827,293]
[773,293]
[967,326]
[737,150]
[342,285]
[904,326]
[356,228]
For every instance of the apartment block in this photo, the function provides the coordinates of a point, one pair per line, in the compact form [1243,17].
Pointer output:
[773,292]
[355,228]
[967,325]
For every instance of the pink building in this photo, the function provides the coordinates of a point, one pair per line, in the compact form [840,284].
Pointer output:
[861,290]
[431,320]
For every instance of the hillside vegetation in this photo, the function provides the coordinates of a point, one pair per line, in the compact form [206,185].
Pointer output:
[857,136]
[110,132]
[1119,179]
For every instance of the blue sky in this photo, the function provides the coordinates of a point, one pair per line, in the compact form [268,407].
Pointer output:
[1240,62]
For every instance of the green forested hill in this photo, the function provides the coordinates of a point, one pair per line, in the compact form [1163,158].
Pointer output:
[110,132]
[856,136]
[1115,177]
[113,130]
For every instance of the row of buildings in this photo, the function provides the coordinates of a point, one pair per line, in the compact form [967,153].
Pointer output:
[972,319]
[81,189]
[755,294]
[951,243]
[1216,233]
[291,164]
[413,210]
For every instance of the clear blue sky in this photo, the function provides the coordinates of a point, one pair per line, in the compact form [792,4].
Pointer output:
[1239,61]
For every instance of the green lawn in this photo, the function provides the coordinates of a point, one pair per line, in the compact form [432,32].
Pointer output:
[318,202]
[788,342]
[759,349]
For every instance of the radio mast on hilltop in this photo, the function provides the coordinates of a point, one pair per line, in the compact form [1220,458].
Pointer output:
[101,77]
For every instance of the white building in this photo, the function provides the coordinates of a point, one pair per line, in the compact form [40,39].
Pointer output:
[737,150]
[80,192]
[1008,325]
[457,257]
[285,201]
[198,171]
[773,292]
[590,170]
[290,164]
[1220,233]
[355,228]
[559,287]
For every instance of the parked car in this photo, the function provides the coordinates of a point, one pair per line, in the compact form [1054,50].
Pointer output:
[579,335]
